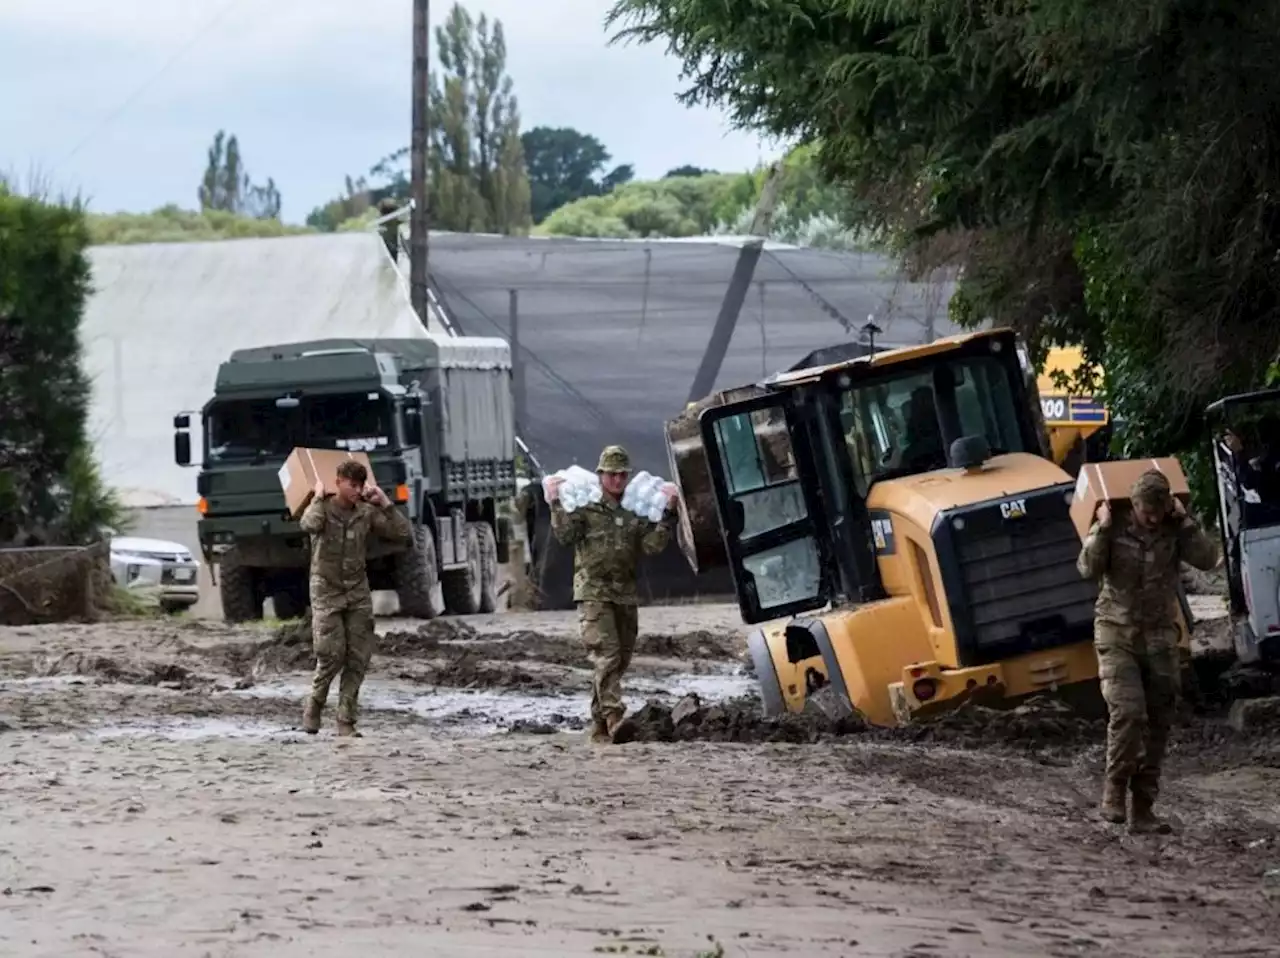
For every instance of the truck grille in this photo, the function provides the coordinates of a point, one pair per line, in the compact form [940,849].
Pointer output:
[1014,585]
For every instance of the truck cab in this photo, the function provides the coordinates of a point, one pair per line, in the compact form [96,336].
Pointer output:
[434,418]
[894,525]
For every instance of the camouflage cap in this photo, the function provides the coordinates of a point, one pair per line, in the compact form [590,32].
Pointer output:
[1152,489]
[614,459]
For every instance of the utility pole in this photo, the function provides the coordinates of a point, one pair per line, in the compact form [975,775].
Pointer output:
[418,224]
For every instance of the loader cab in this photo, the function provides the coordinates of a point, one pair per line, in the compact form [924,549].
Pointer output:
[1246,454]
[793,469]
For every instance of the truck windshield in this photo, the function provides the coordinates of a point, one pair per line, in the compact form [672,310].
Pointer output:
[897,425]
[257,428]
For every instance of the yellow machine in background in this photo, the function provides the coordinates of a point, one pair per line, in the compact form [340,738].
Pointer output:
[1076,424]
[892,524]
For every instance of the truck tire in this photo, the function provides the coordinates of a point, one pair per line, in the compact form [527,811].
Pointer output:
[237,589]
[289,603]
[463,588]
[488,567]
[417,577]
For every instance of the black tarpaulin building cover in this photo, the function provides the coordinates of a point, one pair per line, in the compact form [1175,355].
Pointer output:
[611,333]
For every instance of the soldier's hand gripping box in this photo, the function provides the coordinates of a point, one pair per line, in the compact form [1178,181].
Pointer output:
[305,467]
[1110,482]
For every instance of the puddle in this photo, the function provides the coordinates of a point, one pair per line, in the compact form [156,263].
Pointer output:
[481,711]
[710,688]
[179,730]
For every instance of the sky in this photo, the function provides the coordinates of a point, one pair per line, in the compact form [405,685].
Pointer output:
[120,100]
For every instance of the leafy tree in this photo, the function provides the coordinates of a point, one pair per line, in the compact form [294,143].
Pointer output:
[226,184]
[618,176]
[684,206]
[352,203]
[50,489]
[477,160]
[810,211]
[687,170]
[565,165]
[1103,174]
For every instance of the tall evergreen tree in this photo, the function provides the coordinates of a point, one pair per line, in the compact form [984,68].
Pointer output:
[50,491]
[478,177]
[226,184]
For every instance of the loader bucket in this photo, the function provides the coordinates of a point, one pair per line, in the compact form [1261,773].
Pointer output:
[698,531]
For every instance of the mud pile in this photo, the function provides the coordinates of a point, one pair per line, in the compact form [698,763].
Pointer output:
[467,669]
[1036,724]
[737,720]
[108,669]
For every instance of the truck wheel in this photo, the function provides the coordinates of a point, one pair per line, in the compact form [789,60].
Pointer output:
[417,577]
[463,588]
[238,590]
[488,567]
[289,604]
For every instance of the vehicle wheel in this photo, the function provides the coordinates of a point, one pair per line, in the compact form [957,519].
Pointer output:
[488,566]
[289,603]
[238,590]
[417,577]
[463,588]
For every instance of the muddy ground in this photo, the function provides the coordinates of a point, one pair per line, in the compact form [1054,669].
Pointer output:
[156,798]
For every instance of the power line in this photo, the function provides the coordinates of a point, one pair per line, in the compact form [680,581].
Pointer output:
[146,84]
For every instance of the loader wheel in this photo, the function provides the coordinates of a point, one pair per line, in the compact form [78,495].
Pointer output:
[238,589]
[766,675]
[464,588]
[488,567]
[417,577]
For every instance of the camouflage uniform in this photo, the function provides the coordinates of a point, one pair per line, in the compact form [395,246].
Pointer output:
[1136,639]
[341,603]
[608,542]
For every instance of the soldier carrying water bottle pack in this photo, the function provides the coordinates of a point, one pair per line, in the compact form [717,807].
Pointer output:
[610,521]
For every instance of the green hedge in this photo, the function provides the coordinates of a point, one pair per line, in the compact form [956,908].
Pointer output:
[50,488]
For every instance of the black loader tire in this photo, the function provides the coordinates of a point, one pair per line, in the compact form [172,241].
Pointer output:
[488,567]
[417,576]
[237,589]
[462,587]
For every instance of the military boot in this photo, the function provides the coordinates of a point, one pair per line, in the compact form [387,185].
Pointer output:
[1144,821]
[311,712]
[599,731]
[348,730]
[1112,807]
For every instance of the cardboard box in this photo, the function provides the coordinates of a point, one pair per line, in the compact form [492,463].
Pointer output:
[304,467]
[1110,482]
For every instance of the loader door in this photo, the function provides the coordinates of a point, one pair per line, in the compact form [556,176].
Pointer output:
[1230,516]
[762,474]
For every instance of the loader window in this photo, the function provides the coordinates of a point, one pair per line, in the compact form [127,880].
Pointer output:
[760,471]
[791,572]
[894,426]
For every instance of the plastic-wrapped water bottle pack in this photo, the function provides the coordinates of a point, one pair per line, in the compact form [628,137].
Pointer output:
[646,496]
[579,488]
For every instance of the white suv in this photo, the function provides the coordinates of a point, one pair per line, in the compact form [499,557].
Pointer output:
[166,567]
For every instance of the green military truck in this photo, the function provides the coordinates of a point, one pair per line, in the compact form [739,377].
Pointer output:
[434,415]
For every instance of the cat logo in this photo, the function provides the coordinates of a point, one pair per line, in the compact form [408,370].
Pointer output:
[1014,509]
